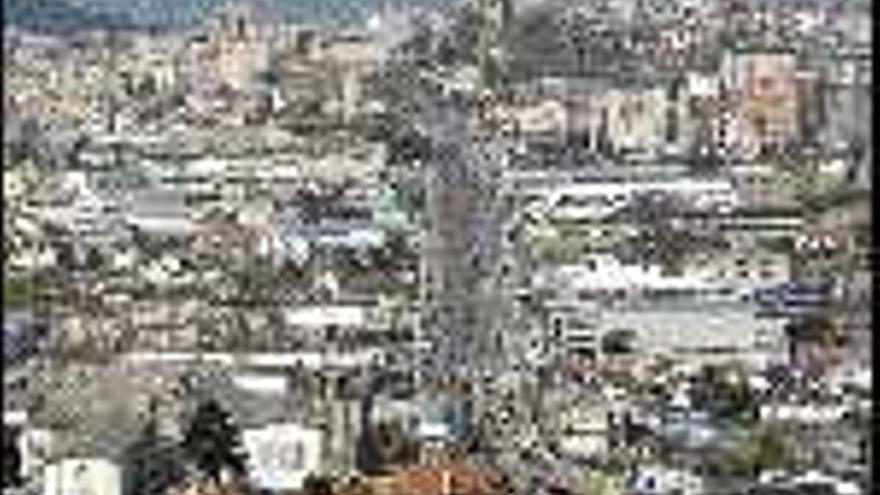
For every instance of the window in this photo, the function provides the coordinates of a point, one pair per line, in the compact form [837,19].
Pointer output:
[557,328]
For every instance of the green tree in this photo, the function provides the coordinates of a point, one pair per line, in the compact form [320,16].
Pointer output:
[763,449]
[25,145]
[599,483]
[152,463]
[17,293]
[657,240]
[383,445]
[621,341]
[94,260]
[213,443]
[317,485]
[725,392]
[11,460]
[463,45]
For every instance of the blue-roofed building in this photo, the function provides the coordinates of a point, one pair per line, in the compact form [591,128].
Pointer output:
[355,230]
[334,234]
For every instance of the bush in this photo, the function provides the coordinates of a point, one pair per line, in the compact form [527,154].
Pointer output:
[17,293]
[762,450]
[317,485]
[212,442]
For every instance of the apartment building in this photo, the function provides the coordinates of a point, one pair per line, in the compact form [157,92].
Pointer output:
[631,120]
[762,87]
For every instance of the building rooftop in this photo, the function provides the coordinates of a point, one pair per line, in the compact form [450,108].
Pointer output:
[440,479]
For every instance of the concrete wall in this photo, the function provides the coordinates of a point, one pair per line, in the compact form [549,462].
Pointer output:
[282,455]
[83,477]
[695,330]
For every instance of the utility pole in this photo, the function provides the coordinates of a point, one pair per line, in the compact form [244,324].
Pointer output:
[423,292]
[110,78]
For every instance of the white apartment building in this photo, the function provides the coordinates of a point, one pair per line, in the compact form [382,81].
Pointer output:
[692,329]
[762,88]
[545,119]
[634,120]
[706,312]
[585,430]
[282,455]
[86,476]
[595,200]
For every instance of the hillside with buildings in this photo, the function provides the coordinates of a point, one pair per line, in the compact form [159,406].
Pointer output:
[482,247]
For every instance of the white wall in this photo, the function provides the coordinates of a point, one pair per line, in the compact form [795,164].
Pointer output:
[83,477]
[636,118]
[282,455]
[587,431]
[690,330]
[35,447]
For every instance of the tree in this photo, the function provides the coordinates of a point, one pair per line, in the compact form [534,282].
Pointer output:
[464,44]
[152,462]
[619,342]
[94,260]
[762,450]
[24,142]
[420,46]
[658,238]
[384,444]
[817,332]
[657,241]
[18,293]
[598,483]
[816,328]
[317,485]
[11,459]
[213,443]
[726,392]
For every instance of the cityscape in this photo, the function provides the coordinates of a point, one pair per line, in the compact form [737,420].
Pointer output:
[437,247]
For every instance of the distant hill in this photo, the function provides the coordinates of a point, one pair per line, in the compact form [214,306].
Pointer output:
[63,16]
[58,17]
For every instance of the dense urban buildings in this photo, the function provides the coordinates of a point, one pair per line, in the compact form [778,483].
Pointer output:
[464,247]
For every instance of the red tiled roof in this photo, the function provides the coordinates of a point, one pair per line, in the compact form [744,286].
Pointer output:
[446,479]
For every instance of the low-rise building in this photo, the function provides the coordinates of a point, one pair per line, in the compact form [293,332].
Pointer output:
[763,90]
[440,479]
[585,431]
[281,456]
[77,476]
[631,120]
